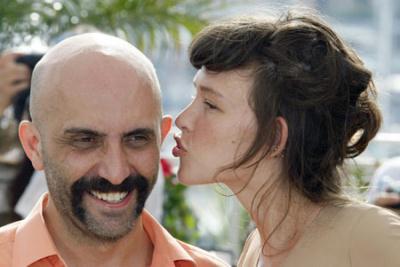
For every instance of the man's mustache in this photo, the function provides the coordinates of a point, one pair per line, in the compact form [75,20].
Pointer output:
[102,185]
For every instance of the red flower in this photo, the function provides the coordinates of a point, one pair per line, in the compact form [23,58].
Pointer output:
[166,168]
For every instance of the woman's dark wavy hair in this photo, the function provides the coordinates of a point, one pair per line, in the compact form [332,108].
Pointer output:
[306,74]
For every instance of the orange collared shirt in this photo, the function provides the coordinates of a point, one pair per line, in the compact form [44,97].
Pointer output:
[28,243]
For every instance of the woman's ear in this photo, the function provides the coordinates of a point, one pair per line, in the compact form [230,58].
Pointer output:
[30,140]
[280,138]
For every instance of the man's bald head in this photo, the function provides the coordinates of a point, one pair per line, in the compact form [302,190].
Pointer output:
[91,53]
[96,132]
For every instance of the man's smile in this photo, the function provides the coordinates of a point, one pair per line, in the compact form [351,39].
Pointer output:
[111,197]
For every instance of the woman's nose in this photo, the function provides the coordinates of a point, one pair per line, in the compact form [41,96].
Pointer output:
[185,119]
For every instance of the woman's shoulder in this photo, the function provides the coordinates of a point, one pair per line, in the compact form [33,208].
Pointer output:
[372,219]
[357,218]
[375,232]
[350,234]
[367,214]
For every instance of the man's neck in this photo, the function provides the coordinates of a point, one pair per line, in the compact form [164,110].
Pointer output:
[76,249]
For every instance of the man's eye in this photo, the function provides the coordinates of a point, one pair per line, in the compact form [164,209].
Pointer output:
[84,142]
[137,140]
[86,139]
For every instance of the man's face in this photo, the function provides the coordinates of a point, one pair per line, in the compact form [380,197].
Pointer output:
[100,145]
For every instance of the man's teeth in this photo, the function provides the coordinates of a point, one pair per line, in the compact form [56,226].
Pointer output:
[114,197]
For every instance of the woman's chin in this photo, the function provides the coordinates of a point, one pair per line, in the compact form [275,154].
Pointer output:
[191,179]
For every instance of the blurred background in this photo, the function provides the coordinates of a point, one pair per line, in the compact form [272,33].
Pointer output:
[162,29]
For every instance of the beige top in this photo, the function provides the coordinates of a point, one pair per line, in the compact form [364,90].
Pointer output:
[353,235]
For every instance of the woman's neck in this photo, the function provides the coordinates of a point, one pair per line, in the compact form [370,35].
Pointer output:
[281,214]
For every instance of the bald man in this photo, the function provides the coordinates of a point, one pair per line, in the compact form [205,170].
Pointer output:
[96,131]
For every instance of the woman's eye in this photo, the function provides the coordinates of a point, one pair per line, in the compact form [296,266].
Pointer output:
[209,105]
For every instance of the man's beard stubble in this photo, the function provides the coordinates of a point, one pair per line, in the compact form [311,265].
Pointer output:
[69,202]
[131,184]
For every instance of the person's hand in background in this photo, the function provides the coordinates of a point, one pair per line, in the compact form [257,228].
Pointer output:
[14,77]
[388,199]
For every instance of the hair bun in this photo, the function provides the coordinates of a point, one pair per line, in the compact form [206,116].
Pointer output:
[364,124]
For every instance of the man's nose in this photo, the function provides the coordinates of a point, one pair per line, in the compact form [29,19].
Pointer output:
[114,165]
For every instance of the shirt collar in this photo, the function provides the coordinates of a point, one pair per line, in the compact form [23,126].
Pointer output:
[32,239]
[167,250]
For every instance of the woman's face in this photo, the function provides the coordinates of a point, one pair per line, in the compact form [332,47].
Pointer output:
[217,127]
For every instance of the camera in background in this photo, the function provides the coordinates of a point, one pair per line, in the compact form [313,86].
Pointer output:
[20,101]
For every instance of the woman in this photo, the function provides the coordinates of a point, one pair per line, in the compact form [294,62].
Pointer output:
[280,104]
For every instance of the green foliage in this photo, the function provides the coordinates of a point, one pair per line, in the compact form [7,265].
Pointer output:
[246,226]
[356,182]
[359,179]
[146,23]
[178,217]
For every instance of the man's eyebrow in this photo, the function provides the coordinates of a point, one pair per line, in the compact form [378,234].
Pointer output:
[208,90]
[140,131]
[83,131]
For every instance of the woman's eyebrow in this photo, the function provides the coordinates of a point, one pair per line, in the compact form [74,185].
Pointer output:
[208,90]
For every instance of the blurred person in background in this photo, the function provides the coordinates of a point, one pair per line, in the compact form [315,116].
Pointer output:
[384,188]
[15,167]
[96,131]
[280,104]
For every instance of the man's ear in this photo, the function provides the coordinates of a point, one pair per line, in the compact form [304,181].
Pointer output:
[30,140]
[281,137]
[166,125]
